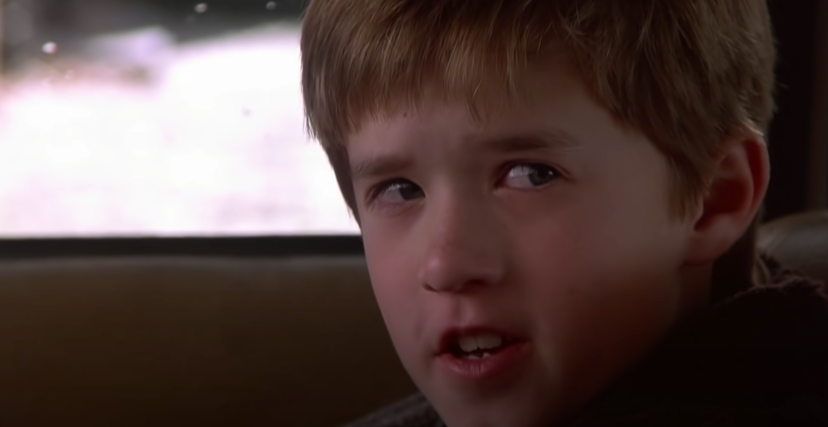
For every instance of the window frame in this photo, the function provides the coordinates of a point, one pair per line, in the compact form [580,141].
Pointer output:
[233,247]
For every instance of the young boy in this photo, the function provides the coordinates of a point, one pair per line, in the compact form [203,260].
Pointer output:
[558,201]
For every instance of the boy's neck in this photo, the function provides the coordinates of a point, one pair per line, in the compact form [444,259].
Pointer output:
[697,283]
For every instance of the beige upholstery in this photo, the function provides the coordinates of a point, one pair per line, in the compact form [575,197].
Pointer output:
[192,342]
[220,342]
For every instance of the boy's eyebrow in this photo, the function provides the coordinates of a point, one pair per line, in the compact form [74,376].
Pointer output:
[379,166]
[390,164]
[532,141]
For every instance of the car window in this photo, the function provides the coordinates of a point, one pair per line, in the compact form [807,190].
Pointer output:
[158,118]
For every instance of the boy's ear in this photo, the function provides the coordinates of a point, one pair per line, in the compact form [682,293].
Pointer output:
[737,189]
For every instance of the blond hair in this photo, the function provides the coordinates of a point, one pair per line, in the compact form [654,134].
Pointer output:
[686,73]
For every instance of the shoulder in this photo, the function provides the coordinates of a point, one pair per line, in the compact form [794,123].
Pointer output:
[766,346]
[758,358]
[790,311]
[766,351]
[414,411]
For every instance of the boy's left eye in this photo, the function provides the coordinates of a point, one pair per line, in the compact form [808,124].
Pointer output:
[396,192]
[529,175]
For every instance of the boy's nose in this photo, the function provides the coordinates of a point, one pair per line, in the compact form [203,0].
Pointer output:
[464,251]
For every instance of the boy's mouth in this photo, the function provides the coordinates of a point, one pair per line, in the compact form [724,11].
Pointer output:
[477,346]
[474,343]
[481,354]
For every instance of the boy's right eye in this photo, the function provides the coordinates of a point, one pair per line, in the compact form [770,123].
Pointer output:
[396,192]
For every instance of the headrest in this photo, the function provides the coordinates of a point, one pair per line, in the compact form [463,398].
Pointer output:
[799,241]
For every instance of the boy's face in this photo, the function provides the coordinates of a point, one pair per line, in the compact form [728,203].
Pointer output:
[545,232]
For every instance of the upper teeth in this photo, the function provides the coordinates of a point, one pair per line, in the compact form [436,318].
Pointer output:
[469,343]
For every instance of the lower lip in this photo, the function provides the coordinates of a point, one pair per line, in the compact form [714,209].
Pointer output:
[496,366]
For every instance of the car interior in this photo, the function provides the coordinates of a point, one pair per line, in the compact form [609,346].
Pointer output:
[273,326]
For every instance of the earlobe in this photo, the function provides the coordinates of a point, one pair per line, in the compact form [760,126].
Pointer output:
[737,188]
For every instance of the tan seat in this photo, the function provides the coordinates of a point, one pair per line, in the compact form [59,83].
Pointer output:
[192,342]
[221,342]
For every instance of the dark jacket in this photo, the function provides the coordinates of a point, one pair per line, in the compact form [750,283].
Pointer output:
[758,358]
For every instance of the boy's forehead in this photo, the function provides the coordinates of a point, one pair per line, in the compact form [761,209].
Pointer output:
[484,97]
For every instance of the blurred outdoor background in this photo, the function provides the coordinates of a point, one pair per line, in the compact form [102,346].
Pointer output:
[165,118]
[158,118]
